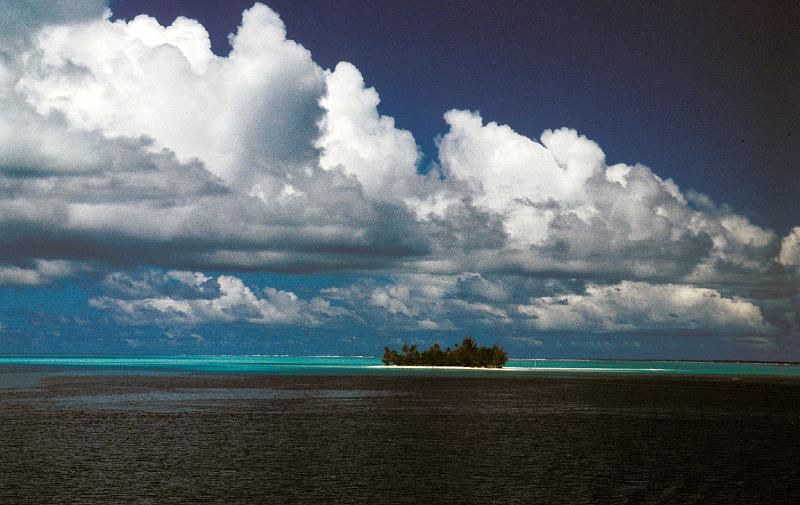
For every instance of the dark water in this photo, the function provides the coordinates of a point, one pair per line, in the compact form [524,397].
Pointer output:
[398,439]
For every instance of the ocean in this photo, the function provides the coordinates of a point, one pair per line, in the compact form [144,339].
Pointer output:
[344,430]
[358,365]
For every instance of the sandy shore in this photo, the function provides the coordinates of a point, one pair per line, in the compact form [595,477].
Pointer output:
[431,367]
[525,369]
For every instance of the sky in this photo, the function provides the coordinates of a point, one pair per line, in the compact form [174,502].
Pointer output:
[567,179]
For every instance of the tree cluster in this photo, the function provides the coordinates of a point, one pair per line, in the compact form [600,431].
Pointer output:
[468,354]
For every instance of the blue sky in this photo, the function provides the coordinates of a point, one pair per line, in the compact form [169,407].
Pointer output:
[707,98]
[170,190]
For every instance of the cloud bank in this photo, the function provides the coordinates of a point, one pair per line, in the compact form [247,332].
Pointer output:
[433,302]
[190,298]
[128,143]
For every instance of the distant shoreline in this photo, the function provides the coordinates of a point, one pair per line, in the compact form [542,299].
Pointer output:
[453,367]
[663,360]
[524,368]
[608,360]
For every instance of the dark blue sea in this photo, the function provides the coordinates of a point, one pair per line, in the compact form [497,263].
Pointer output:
[345,430]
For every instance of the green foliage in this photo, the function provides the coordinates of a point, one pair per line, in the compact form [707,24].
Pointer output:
[468,354]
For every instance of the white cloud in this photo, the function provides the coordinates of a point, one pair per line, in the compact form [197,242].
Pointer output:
[227,174]
[638,306]
[393,299]
[21,18]
[482,308]
[425,324]
[362,142]
[433,302]
[194,298]
[251,113]
[475,285]
[298,170]
[132,143]
[790,249]
[40,272]
[508,173]
[562,209]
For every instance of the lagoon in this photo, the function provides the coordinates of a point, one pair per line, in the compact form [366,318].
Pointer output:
[370,365]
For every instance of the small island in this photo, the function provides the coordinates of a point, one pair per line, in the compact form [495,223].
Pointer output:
[468,354]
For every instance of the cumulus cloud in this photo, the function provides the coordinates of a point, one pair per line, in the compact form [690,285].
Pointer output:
[21,18]
[148,148]
[354,137]
[190,298]
[509,173]
[551,306]
[263,160]
[563,209]
[38,272]
[638,306]
[129,143]
[252,112]
[790,249]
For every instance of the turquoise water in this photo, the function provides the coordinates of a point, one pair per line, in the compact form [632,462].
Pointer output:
[358,365]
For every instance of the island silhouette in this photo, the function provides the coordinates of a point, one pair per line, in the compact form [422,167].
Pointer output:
[468,354]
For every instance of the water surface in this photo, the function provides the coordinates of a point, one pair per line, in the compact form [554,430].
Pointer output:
[110,434]
[358,365]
